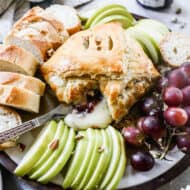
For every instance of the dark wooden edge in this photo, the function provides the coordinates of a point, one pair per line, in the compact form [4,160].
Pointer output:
[183,164]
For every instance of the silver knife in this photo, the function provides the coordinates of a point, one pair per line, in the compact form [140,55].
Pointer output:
[57,113]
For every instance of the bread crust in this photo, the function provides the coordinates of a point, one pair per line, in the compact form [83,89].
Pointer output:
[54,11]
[37,14]
[41,35]
[18,57]
[19,98]
[22,81]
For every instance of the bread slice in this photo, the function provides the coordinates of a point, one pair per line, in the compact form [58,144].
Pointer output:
[16,59]
[40,38]
[8,119]
[37,14]
[66,15]
[22,81]
[19,98]
[175,49]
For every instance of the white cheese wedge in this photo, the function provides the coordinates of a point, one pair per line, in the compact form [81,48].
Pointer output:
[100,117]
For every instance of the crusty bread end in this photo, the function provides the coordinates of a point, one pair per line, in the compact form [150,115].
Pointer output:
[175,49]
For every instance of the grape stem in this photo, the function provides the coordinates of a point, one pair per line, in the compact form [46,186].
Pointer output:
[166,149]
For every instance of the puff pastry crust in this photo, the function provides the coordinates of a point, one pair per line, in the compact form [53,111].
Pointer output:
[103,58]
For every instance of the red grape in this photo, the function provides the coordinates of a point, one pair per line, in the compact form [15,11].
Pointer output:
[185,68]
[183,143]
[176,116]
[151,106]
[186,95]
[187,109]
[173,96]
[133,135]
[153,128]
[142,161]
[139,123]
[177,79]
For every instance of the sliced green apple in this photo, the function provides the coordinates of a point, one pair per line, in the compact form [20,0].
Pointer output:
[111,12]
[99,11]
[61,161]
[93,161]
[102,163]
[162,28]
[118,174]
[146,42]
[91,145]
[109,157]
[76,160]
[126,22]
[114,160]
[37,149]
[46,165]
[49,151]
[155,34]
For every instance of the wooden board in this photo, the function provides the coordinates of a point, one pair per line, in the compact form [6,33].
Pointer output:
[7,163]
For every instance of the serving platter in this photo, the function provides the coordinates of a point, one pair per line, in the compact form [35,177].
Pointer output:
[164,170]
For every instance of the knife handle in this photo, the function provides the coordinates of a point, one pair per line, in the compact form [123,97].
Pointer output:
[19,130]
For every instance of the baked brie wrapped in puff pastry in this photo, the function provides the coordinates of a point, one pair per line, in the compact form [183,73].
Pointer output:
[103,58]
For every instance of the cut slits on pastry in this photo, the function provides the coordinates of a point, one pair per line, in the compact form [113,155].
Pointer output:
[106,59]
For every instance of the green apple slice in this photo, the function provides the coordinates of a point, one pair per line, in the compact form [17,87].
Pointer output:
[93,161]
[118,174]
[88,154]
[37,149]
[146,43]
[155,34]
[49,151]
[61,161]
[102,163]
[76,160]
[162,28]
[109,156]
[114,160]
[46,165]
[99,11]
[126,22]
[110,12]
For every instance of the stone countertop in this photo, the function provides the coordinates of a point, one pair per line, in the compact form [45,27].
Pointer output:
[166,16]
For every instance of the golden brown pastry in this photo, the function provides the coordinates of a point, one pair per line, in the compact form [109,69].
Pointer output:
[106,55]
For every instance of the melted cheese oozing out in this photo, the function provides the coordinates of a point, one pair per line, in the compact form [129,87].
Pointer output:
[100,117]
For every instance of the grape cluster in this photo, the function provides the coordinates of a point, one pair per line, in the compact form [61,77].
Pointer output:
[172,109]
[176,95]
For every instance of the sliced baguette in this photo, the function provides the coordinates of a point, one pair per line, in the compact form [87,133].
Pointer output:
[40,38]
[19,98]
[8,119]
[16,59]
[37,14]
[66,15]
[22,81]
[175,49]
